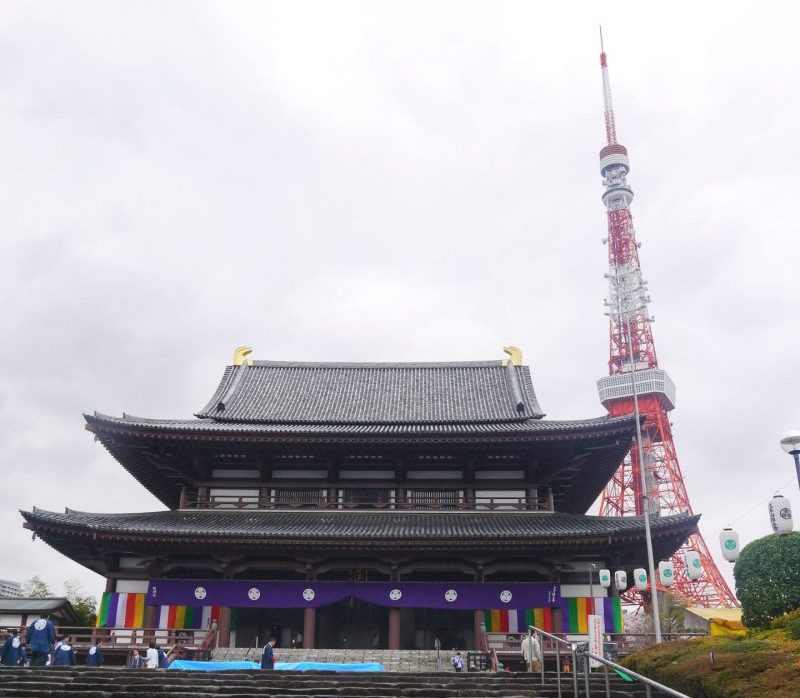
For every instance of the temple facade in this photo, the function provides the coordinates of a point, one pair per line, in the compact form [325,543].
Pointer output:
[362,505]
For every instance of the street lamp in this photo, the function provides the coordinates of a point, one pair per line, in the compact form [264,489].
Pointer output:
[791,444]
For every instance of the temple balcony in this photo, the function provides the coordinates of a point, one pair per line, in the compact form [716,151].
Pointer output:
[315,499]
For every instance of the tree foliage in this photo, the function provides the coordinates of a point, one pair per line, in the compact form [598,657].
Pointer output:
[35,588]
[85,605]
[767,577]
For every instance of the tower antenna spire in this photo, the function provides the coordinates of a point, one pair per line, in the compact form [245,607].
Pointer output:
[611,128]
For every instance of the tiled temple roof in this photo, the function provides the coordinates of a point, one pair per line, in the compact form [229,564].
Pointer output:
[338,524]
[278,392]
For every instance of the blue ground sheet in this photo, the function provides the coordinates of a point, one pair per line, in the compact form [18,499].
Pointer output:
[186,665]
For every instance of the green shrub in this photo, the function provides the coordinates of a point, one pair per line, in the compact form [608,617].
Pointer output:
[793,629]
[768,578]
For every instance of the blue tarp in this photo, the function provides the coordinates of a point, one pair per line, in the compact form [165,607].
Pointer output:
[186,665]
[325,666]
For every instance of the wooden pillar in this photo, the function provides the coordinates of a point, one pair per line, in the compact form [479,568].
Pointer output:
[111,584]
[478,623]
[309,628]
[225,626]
[479,628]
[394,628]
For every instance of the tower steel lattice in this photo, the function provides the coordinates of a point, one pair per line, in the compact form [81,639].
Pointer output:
[632,349]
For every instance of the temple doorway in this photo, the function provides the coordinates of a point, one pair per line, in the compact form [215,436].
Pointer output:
[252,627]
[454,629]
[353,624]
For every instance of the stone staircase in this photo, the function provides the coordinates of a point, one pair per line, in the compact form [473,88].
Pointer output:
[109,682]
[410,661]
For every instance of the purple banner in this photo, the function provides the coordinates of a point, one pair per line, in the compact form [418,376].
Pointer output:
[265,594]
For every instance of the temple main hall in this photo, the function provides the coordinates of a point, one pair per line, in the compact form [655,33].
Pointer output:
[362,505]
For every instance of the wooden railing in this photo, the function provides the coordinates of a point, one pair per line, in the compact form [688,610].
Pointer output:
[173,641]
[397,504]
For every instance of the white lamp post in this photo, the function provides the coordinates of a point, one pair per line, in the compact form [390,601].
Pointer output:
[791,444]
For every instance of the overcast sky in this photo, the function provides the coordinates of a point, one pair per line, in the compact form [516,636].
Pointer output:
[404,181]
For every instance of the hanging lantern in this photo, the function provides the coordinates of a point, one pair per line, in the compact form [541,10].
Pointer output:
[666,572]
[621,580]
[729,541]
[694,567]
[605,578]
[780,515]
[640,577]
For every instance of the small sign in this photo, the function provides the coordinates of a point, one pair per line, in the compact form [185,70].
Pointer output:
[595,639]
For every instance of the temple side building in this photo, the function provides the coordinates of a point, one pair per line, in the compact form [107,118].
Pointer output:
[362,505]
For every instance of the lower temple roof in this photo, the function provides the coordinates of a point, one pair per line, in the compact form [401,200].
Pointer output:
[262,530]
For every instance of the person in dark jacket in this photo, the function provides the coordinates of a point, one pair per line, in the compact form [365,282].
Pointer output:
[94,657]
[163,660]
[64,654]
[40,637]
[12,651]
[268,656]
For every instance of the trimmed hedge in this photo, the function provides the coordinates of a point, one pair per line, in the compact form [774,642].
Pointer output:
[768,578]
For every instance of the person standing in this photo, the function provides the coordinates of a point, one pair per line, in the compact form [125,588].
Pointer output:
[135,661]
[163,660]
[12,650]
[40,637]
[458,662]
[64,654]
[268,655]
[532,653]
[94,657]
[152,656]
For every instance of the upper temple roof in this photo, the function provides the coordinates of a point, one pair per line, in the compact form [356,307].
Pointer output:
[374,393]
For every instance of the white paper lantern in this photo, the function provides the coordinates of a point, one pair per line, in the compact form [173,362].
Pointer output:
[780,515]
[640,578]
[729,542]
[621,580]
[605,578]
[694,567]
[666,573]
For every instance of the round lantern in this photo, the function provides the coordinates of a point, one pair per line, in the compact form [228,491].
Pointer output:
[621,580]
[694,567]
[605,578]
[640,578]
[666,572]
[780,515]
[729,542]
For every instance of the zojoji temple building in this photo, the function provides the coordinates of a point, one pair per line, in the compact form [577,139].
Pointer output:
[362,505]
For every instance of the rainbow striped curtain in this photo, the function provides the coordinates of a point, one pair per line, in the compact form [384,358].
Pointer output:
[575,612]
[123,610]
[510,620]
[186,617]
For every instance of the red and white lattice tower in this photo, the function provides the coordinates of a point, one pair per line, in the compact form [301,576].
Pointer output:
[633,349]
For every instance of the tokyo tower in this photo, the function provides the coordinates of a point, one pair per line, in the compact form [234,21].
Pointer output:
[632,349]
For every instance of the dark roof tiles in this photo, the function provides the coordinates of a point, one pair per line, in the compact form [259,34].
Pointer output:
[372,393]
[529,426]
[338,525]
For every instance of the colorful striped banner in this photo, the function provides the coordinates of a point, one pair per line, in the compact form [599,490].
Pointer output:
[517,620]
[575,612]
[121,610]
[125,610]
[186,617]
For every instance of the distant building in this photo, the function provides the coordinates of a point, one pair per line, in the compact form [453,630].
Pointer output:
[9,589]
[21,612]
